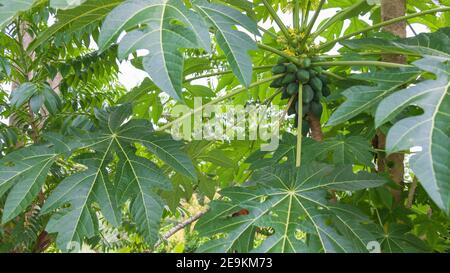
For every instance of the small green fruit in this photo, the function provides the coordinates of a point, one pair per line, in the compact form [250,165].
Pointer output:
[278,69]
[290,77]
[277,83]
[292,88]
[326,91]
[302,75]
[291,68]
[316,109]
[316,84]
[307,94]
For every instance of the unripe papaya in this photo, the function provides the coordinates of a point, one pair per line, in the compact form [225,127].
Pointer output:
[324,79]
[326,91]
[316,84]
[291,68]
[316,109]
[306,108]
[312,73]
[307,94]
[290,77]
[284,93]
[282,60]
[276,83]
[302,75]
[292,88]
[306,62]
[278,69]
[317,96]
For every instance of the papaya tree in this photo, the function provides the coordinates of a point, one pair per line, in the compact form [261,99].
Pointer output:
[361,110]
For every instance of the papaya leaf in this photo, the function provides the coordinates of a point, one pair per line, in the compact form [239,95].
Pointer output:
[292,201]
[361,98]
[24,172]
[9,9]
[234,43]
[430,131]
[136,179]
[89,12]
[169,26]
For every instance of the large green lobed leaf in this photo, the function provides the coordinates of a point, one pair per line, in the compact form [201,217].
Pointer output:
[161,36]
[291,201]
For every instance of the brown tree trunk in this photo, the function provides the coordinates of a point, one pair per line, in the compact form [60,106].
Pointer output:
[393,163]
[316,127]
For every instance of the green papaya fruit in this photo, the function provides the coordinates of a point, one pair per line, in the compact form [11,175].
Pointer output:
[290,77]
[317,96]
[326,91]
[279,69]
[306,62]
[282,60]
[291,68]
[292,88]
[312,73]
[284,93]
[324,79]
[316,109]
[306,108]
[302,75]
[316,84]
[307,94]
[276,83]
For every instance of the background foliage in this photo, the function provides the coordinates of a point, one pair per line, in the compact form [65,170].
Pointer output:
[365,136]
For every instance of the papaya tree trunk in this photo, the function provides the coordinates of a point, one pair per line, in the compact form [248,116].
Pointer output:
[393,163]
[316,127]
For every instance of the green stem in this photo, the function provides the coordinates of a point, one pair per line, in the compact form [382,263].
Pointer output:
[296,14]
[360,63]
[227,96]
[277,20]
[311,24]
[306,14]
[298,159]
[331,74]
[371,54]
[382,24]
[279,53]
[338,17]
[224,73]
[273,35]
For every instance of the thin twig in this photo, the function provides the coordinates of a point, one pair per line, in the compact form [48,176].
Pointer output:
[179,227]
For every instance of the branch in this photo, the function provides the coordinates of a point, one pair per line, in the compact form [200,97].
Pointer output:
[255,68]
[277,20]
[179,227]
[312,22]
[382,24]
[360,63]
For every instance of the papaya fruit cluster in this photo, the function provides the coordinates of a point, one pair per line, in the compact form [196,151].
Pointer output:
[314,86]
